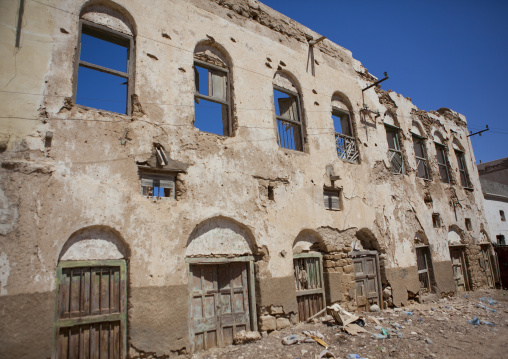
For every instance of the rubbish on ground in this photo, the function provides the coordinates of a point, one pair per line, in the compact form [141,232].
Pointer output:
[408,313]
[360,322]
[474,321]
[486,322]
[378,336]
[488,300]
[374,308]
[293,339]
[353,329]
[341,316]
[378,327]
[316,336]
[399,334]
[396,325]
[375,320]
[384,332]
[428,341]
[397,310]
[243,337]
[317,314]
[326,354]
[353,356]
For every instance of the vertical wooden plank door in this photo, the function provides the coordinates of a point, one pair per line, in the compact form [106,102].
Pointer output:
[423,262]
[487,265]
[308,269]
[219,303]
[90,319]
[366,281]
[459,269]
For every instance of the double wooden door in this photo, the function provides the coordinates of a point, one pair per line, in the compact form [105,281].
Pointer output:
[457,256]
[90,318]
[366,280]
[219,303]
[310,295]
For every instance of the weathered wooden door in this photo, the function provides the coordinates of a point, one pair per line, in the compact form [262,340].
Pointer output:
[219,303]
[486,264]
[91,310]
[424,263]
[310,295]
[459,269]
[366,279]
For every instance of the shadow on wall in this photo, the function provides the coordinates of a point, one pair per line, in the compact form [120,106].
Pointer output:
[220,236]
[95,243]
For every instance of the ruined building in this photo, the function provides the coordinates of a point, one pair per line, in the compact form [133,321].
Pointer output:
[175,171]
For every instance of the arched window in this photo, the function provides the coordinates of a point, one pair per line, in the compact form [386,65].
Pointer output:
[417,133]
[344,134]
[288,112]
[461,163]
[394,152]
[104,75]
[212,108]
[442,160]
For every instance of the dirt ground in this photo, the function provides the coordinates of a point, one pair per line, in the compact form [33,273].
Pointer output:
[438,329]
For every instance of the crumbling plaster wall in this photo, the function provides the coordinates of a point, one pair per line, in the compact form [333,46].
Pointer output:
[87,177]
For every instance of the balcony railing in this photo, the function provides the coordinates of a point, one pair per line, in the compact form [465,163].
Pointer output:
[346,147]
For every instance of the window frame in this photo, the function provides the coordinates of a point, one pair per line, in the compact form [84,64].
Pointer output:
[462,171]
[344,139]
[227,102]
[299,116]
[329,206]
[419,141]
[104,33]
[168,176]
[502,215]
[395,130]
[440,148]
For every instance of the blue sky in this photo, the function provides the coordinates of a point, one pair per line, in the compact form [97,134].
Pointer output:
[439,53]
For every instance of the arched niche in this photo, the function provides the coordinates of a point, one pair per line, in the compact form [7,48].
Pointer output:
[109,14]
[220,236]
[307,241]
[457,145]
[417,129]
[365,240]
[439,138]
[287,81]
[212,53]
[454,238]
[94,243]
[484,237]
[421,239]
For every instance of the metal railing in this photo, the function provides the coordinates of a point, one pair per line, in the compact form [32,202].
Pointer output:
[346,147]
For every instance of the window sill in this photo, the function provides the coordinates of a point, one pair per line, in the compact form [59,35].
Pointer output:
[290,151]
[333,209]
[469,188]
[127,117]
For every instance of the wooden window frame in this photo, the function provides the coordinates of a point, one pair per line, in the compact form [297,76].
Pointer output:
[420,141]
[298,122]
[440,148]
[461,165]
[397,150]
[112,36]
[227,102]
[329,206]
[342,140]
[69,322]
[158,175]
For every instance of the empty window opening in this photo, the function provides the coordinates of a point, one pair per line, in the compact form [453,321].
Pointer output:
[500,240]
[469,226]
[394,152]
[211,97]
[442,163]
[501,213]
[104,69]
[271,195]
[289,125]
[422,170]
[436,220]
[157,185]
[332,199]
[462,168]
[344,138]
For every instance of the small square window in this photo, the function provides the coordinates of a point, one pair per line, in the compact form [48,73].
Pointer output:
[436,220]
[469,226]
[158,185]
[332,199]
[500,240]
[501,213]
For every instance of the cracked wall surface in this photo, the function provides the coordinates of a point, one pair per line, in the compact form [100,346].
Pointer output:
[240,195]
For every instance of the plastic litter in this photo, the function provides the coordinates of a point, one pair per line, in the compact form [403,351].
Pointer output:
[486,322]
[408,313]
[326,354]
[384,332]
[474,321]
[428,341]
[353,356]
[399,334]
[396,326]
[378,336]
[489,300]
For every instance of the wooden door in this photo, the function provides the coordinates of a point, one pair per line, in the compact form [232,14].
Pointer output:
[367,281]
[487,265]
[219,303]
[91,310]
[310,295]
[459,269]
[424,263]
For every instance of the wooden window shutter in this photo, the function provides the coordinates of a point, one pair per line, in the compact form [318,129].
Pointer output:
[196,84]
[287,108]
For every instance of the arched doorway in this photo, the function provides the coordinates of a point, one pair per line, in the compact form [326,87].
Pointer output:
[91,310]
[220,263]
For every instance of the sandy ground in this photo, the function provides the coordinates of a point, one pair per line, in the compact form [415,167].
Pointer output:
[438,329]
